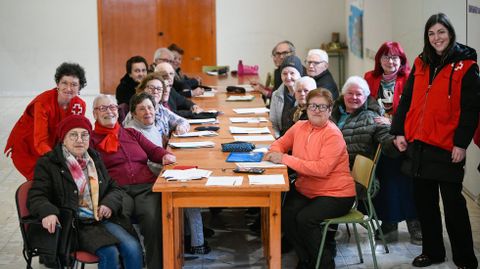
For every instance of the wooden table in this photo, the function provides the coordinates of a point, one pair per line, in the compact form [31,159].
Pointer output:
[178,195]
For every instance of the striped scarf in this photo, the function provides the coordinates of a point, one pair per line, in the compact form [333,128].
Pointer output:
[88,191]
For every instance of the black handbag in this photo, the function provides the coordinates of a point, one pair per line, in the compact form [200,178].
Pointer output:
[237,146]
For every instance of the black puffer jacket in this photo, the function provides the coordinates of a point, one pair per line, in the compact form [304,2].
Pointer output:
[53,188]
[360,131]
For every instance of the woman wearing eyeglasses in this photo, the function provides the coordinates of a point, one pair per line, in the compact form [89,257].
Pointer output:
[164,120]
[73,176]
[34,133]
[394,201]
[324,187]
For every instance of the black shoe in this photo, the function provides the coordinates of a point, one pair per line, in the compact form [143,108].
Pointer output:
[424,261]
[203,249]
[48,261]
[207,232]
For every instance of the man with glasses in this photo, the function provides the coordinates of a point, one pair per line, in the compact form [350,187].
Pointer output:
[279,53]
[316,64]
[136,68]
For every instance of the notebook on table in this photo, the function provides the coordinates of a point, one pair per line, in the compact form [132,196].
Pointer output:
[245,157]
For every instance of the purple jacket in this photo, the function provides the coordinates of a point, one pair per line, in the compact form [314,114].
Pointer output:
[128,166]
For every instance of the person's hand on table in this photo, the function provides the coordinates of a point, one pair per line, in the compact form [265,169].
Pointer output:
[274,157]
[181,129]
[197,91]
[196,109]
[169,159]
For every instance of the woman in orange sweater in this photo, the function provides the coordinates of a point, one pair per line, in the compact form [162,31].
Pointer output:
[324,187]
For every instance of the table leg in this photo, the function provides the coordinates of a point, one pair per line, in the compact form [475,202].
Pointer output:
[275,232]
[178,236]
[264,214]
[168,231]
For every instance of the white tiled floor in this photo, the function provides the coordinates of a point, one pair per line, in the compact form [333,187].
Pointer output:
[233,246]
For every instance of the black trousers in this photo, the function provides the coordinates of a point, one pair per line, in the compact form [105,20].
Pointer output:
[146,206]
[456,220]
[301,218]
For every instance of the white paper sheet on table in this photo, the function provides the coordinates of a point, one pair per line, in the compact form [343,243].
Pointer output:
[224,181]
[240,98]
[248,120]
[262,164]
[200,121]
[200,144]
[266,179]
[187,174]
[207,94]
[253,110]
[195,134]
[249,138]
[248,130]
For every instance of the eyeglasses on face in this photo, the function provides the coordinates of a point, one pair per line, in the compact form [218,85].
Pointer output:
[281,53]
[319,107]
[387,58]
[72,85]
[164,60]
[153,89]
[73,136]
[102,108]
[314,63]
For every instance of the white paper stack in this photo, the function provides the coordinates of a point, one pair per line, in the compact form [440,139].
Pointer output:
[266,179]
[254,138]
[187,174]
[248,130]
[224,181]
[240,98]
[200,121]
[200,144]
[255,110]
[248,120]
[195,134]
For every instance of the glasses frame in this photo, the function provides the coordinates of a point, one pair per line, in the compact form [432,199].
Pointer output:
[103,108]
[319,107]
[73,136]
[154,89]
[387,58]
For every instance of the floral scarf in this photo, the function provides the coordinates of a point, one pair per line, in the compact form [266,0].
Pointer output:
[88,190]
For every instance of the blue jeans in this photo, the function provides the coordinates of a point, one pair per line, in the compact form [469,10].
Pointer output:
[129,248]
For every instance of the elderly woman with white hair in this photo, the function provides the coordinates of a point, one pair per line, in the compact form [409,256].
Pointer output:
[316,64]
[354,113]
[301,88]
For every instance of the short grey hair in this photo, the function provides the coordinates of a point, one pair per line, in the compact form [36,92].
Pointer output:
[291,47]
[320,53]
[161,51]
[356,81]
[310,82]
[103,96]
